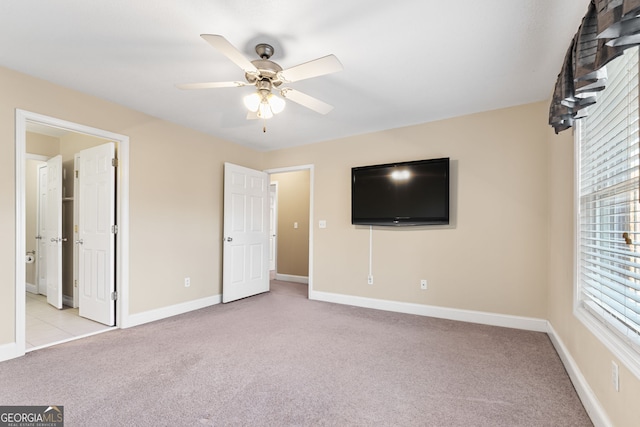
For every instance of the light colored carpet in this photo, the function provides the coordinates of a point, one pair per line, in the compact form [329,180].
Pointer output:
[278,359]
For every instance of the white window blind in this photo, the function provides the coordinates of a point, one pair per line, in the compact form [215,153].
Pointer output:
[609,226]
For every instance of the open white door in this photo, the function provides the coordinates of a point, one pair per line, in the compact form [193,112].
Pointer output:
[41,257]
[245,266]
[53,233]
[96,234]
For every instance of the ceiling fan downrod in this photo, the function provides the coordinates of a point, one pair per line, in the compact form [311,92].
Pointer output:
[264,50]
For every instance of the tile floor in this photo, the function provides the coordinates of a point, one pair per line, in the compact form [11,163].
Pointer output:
[46,325]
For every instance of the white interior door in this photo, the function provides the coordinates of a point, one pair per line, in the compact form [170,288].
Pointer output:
[53,232]
[245,266]
[41,248]
[96,234]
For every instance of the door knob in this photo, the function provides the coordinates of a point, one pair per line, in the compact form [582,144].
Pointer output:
[229,239]
[79,242]
[54,239]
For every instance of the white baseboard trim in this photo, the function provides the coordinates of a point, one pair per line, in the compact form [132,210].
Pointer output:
[30,287]
[493,319]
[589,400]
[172,310]
[292,278]
[10,351]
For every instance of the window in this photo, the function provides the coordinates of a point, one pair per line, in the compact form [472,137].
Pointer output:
[608,231]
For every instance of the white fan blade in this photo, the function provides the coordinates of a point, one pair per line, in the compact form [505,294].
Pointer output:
[306,100]
[209,85]
[229,51]
[318,67]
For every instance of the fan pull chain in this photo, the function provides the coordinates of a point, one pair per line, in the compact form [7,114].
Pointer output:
[264,126]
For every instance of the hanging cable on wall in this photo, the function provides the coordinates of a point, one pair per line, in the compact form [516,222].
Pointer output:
[370,277]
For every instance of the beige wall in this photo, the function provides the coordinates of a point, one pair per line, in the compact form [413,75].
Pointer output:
[593,359]
[492,258]
[293,207]
[175,201]
[42,145]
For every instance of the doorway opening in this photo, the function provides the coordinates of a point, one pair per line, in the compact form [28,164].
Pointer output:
[291,234]
[46,323]
[28,237]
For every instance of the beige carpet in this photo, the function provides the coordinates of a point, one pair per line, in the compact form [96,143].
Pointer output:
[278,359]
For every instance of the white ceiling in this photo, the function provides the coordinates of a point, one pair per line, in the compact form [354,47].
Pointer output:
[405,62]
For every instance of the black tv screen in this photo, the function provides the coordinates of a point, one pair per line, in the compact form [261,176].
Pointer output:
[407,193]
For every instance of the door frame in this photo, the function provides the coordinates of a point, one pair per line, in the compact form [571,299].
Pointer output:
[310,168]
[122,216]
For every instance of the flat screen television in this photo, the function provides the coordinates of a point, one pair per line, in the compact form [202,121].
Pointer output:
[401,194]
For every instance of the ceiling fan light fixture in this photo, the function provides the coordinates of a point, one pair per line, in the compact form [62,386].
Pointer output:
[252,101]
[277,104]
[264,103]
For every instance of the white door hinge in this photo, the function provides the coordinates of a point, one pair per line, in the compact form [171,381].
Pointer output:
[77,173]
[114,229]
[114,296]
[114,162]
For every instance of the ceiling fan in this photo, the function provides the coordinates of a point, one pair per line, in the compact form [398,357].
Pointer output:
[267,76]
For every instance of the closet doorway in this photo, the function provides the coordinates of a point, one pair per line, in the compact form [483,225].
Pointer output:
[62,299]
[53,237]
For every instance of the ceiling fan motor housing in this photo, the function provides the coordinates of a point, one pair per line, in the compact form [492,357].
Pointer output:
[267,69]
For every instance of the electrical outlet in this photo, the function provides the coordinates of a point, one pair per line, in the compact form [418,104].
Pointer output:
[614,376]
[187,282]
[370,280]
[423,284]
